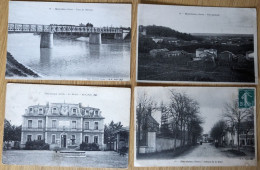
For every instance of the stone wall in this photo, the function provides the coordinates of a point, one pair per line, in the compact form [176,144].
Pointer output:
[163,144]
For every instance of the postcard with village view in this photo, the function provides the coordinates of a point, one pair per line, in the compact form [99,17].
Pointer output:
[50,125]
[68,41]
[195,126]
[196,44]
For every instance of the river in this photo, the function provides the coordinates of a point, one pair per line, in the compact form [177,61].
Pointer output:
[71,59]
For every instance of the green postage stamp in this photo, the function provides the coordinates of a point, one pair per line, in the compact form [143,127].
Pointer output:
[246,98]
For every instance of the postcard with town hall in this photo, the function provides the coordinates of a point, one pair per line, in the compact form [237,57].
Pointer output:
[51,125]
[196,44]
[195,126]
[68,41]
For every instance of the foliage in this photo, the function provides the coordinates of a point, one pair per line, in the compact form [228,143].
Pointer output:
[146,44]
[161,31]
[89,25]
[11,132]
[89,146]
[36,145]
[218,131]
[109,131]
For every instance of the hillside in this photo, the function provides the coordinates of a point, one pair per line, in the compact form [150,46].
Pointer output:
[160,31]
[14,68]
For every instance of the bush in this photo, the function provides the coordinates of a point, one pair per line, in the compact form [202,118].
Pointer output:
[36,145]
[89,147]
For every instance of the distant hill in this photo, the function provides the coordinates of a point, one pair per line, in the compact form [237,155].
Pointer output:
[161,31]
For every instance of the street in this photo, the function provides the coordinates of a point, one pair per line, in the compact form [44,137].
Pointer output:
[206,150]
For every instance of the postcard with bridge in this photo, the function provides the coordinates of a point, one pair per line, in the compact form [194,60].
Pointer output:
[188,44]
[195,126]
[68,41]
[70,126]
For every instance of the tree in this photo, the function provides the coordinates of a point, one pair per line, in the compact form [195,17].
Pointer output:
[11,132]
[234,116]
[183,114]
[109,131]
[218,131]
[89,25]
[144,103]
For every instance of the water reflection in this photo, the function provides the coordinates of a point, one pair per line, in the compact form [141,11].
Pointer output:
[72,59]
[94,50]
[45,56]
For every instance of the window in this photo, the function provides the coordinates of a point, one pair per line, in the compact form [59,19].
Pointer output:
[95,139]
[73,124]
[53,124]
[96,126]
[39,124]
[87,112]
[29,124]
[53,138]
[30,110]
[39,137]
[86,139]
[96,113]
[73,138]
[54,110]
[74,111]
[29,138]
[86,125]
[40,111]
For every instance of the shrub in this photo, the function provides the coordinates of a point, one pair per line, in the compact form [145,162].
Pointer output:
[89,147]
[36,145]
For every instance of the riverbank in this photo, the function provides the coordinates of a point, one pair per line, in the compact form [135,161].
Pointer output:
[14,68]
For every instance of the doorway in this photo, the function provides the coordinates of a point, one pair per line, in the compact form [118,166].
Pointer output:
[63,141]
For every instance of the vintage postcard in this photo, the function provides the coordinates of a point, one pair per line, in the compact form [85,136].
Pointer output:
[195,126]
[196,44]
[68,41]
[51,125]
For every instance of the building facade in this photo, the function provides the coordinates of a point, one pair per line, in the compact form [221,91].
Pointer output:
[63,125]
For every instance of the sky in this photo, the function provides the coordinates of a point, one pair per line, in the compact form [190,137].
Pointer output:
[114,103]
[199,19]
[46,13]
[211,100]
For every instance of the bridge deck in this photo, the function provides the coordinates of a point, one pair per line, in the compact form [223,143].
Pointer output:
[35,28]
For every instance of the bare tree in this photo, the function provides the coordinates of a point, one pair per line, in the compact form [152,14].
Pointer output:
[143,104]
[235,116]
[183,115]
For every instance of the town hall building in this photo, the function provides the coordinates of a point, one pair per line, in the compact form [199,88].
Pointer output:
[63,125]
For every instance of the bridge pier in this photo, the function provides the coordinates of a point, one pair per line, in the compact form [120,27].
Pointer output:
[118,36]
[121,36]
[46,40]
[95,38]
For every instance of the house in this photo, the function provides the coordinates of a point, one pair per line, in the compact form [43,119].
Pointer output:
[158,52]
[250,55]
[157,40]
[148,127]
[246,134]
[63,125]
[176,53]
[201,52]
[226,58]
[205,138]
[121,139]
[142,30]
